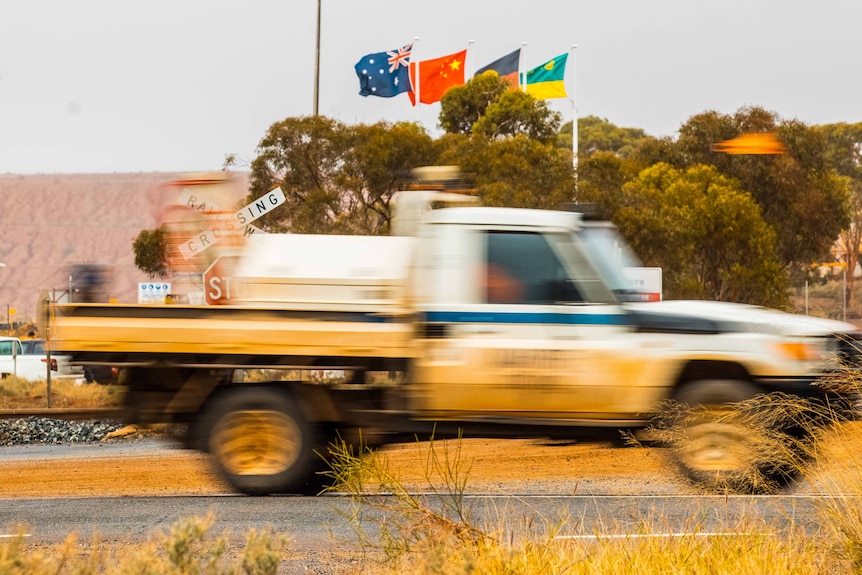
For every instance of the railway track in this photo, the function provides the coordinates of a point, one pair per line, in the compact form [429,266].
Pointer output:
[66,413]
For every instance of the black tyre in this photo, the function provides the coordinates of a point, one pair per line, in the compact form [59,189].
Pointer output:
[262,443]
[727,448]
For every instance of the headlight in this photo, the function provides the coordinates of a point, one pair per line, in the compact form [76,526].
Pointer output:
[801,351]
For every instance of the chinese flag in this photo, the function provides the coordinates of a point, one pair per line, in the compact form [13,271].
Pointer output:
[437,75]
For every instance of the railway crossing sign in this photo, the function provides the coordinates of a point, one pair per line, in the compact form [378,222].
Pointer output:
[240,220]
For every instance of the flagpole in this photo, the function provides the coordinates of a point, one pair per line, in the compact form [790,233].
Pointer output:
[415,66]
[574,119]
[317,61]
[574,116]
[521,59]
[472,61]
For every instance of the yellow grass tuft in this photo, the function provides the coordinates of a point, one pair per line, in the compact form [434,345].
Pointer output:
[188,548]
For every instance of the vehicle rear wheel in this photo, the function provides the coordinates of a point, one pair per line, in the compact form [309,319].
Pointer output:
[262,443]
[725,448]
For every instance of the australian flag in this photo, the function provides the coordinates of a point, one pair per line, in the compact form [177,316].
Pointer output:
[385,74]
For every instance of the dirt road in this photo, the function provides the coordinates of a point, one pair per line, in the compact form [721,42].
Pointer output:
[159,467]
[512,466]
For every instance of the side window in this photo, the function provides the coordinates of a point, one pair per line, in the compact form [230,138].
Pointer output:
[6,347]
[521,267]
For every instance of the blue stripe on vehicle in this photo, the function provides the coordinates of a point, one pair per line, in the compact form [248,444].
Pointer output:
[527,318]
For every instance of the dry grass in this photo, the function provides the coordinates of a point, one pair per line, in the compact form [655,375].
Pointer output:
[433,532]
[187,548]
[17,393]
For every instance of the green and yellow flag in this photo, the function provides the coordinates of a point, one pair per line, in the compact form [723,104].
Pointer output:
[546,81]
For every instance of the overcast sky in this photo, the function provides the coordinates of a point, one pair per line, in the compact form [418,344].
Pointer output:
[174,85]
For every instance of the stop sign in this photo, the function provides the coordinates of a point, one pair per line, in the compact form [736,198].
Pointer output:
[219,284]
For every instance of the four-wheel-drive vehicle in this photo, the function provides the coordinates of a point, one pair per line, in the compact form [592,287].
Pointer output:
[479,321]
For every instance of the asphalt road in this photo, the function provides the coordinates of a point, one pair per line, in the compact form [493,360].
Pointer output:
[314,522]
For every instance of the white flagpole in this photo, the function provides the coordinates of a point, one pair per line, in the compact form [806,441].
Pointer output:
[521,68]
[472,60]
[415,65]
[317,61]
[574,115]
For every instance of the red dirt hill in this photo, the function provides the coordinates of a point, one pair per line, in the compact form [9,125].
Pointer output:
[49,222]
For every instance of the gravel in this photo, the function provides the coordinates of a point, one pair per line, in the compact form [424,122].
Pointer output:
[44,431]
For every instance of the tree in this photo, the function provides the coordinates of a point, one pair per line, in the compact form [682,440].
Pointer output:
[799,195]
[564,136]
[336,178]
[610,156]
[488,106]
[517,171]
[850,240]
[518,113]
[601,177]
[705,232]
[844,148]
[303,156]
[503,141]
[151,252]
[844,144]
[463,106]
[375,167]
[599,135]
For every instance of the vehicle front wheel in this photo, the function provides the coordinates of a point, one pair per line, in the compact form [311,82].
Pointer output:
[262,443]
[727,446]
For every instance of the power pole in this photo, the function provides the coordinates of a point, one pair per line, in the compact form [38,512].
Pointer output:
[317,62]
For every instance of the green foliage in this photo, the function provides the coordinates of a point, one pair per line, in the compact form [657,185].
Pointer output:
[601,177]
[564,136]
[303,156]
[336,178]
[844,144]
[800,194]
[518,113]
[844,155]
[151,252]
[800,197]
[650,150]
[704,232]
[599,135]
[374,169]
[517,171]
[463,106]
[488,106]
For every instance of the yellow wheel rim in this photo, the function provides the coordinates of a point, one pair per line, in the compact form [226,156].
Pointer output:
[717,447]
[256,442]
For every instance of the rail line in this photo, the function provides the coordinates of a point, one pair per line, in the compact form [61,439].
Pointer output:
[66,413]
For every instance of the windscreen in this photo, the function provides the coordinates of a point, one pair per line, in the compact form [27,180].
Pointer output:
[610,254]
